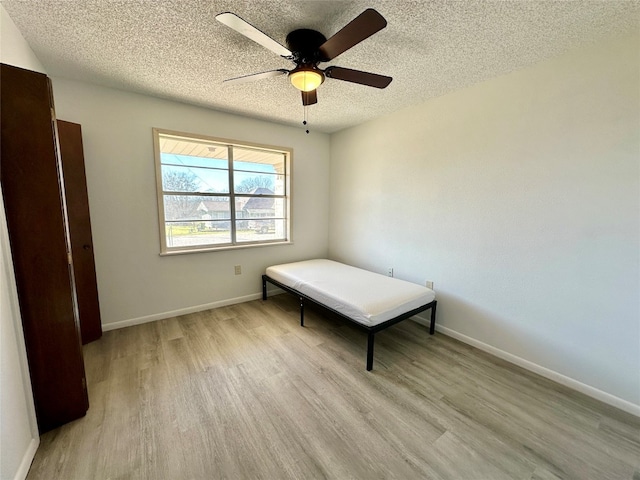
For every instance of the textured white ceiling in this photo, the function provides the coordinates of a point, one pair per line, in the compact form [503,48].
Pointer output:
[176,49]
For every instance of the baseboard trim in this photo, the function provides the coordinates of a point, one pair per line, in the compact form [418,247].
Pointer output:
[25,465]
[182,311]
[588,390]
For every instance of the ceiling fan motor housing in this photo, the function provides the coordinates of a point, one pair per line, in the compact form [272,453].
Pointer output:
[304,44]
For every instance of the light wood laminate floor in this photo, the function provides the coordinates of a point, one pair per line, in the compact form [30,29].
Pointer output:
[244,392]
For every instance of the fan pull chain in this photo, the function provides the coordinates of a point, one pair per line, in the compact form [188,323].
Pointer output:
[304,122]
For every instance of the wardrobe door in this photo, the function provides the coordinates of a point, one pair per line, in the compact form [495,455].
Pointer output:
[75,190]
[30,179]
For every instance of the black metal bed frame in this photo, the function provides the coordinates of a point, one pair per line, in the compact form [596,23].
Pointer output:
[370,330]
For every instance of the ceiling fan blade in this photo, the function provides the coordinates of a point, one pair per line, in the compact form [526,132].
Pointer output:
[309,98]
[233,21]
[357,76]
[360,28]
[257,76]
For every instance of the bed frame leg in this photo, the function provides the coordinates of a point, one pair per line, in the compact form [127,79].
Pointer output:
[432,327]
[301,312]
[264,288]
[370,351]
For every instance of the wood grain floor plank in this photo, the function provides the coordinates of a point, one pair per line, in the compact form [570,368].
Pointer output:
[244,392]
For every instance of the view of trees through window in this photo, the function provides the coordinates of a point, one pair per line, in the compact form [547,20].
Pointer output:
[217,194]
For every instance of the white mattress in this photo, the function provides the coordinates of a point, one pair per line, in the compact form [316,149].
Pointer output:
[366,297]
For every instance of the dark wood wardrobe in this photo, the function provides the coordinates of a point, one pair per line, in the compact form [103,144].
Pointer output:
[39,203]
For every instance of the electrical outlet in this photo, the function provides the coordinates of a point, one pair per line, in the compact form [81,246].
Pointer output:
[238,269]
[430,284]
[390,271]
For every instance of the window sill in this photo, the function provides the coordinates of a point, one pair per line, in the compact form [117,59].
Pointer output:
[171,253]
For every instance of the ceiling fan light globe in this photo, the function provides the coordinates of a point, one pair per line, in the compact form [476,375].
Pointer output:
[306,80]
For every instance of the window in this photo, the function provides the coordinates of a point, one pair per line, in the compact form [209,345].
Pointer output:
[217,194]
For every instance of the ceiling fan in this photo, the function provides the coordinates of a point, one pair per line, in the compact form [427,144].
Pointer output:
[307,48]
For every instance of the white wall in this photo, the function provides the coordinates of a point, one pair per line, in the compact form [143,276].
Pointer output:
[18,427]
[519,197]
[19,431]
[135,284]
[14,50]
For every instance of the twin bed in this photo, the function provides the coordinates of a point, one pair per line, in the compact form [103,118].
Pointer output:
[371,301]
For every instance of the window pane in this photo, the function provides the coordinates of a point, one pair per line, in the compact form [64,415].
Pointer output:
[192,151]
[195,207]
[257,171]
[253,160]
[193,220]
[185,234]
[259,207]
[183,160]
[260,230]
[194,179]
[258,183]
[280,207]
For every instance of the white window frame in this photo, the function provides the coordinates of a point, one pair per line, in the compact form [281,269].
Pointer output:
[230,144]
